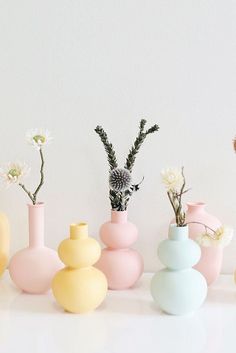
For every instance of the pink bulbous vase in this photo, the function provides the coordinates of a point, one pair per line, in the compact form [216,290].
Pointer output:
[211,259]
[121,265]
[33,268]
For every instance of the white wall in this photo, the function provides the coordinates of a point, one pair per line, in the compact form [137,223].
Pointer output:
[70,65]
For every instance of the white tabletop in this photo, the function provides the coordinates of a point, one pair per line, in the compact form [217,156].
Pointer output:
[127,322]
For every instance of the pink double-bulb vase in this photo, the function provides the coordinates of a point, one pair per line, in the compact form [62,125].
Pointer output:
[211,259]
[121,265]
[33,268]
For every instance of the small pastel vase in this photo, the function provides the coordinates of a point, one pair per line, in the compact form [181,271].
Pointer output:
[179,289]
[4,242]
[210,262]
[33,268]
[79,287]
[121,265]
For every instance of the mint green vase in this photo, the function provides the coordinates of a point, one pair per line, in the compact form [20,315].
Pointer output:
[178,289]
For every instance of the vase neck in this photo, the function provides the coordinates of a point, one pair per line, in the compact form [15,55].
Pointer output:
[79,231]
[36,225]
[178,233]
[119,216]
[196,206]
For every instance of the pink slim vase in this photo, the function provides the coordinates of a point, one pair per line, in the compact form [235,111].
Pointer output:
[211,259]
[121,265]
[33,268]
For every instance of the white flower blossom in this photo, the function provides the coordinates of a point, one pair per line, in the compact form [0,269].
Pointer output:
[222,237]
[14,173]
[172,178]
[38,138]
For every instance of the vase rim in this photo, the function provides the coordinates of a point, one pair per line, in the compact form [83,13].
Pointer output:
[177,232]
[174,225]
[38,204]
[196,204]
[116,211]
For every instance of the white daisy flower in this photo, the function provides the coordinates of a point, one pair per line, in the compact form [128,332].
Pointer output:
[13,173]
[172,178]
[38,138]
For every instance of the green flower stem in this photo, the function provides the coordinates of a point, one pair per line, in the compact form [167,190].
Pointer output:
[41,176]
[119,200]
[27,192]
[111,156]
[130,160]
[33,197]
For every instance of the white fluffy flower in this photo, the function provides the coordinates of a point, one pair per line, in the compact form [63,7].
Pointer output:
[13,173]
[224,235]
[172,178]
[38,138]
[204,240]
[221,237]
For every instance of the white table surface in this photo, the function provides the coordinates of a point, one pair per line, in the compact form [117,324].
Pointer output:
[127,322]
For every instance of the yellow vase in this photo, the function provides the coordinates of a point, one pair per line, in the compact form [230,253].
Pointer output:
[79,287]
[4,242]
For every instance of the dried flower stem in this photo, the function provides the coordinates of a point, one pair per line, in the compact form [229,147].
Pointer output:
[204,225]
[175,199]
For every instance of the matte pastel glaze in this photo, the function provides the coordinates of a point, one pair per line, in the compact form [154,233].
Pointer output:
[121,265]
[4,242]
[33,268]
[79,287]
[179,289]
[210,262]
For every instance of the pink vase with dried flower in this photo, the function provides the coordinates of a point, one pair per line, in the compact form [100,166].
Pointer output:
[33,268]
[211,259]
[121,265]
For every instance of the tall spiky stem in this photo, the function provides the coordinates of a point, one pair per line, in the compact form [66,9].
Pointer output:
[111,156]
[130,160]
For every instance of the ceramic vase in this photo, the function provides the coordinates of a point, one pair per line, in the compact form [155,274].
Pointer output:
[4,242]
[33,268]
[79,287]
[179,289]
[211,257]
[122,265]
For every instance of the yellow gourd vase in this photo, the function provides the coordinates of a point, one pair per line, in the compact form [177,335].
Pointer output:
[4,242]
[79,287]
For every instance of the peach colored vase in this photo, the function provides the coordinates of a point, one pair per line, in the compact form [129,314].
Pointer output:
[121,265]
[211,259]
[33,268]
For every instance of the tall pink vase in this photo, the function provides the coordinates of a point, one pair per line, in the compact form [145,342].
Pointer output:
[33,268]
[121,265]
[211,259]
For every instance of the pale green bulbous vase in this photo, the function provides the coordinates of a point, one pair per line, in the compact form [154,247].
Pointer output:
[178,289]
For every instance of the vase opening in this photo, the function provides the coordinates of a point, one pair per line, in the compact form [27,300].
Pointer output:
[38,204]
[78,230]
[196,206]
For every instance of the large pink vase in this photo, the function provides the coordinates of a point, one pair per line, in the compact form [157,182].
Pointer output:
[33,268]
[121,265]
[211,259]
